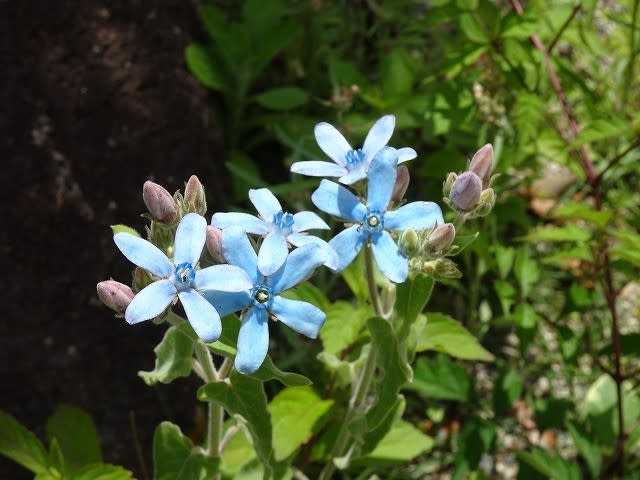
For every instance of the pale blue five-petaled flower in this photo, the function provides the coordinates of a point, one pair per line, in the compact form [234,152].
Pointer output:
[350,164]
[279,228]
[372,221]
[262,299]
[180,278]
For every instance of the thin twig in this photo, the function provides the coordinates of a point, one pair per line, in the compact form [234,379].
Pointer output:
[574,12]
[615,160]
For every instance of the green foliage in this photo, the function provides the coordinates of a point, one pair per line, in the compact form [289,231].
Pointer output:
[441,378]
[174,355]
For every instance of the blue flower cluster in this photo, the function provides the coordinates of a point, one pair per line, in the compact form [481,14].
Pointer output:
[251,282]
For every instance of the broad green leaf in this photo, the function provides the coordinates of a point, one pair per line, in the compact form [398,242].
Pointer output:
[371,438]
[442,379]
[526,320]
[402,444]
[395,372]
[283,98]
[204,68]
[411,297]
[124,229]
[507,389]
[175,457]
[237,452]
[343,325]
[297,414]
[602,129]
[565,233]
[583,211]
[550,464]
[472,29]
[269,371]
[397,73]
[566,256]
[245,396]
[591,452]
[552,412]
[443,334]
[103,472]
[504,260]
[76,434]
[21,446]
[355,280]
[526,271]
[476,437]
[174,356]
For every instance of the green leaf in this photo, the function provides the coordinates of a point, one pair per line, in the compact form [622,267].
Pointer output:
[21,446]
[76,434]
[550,464]
[566,233]
[204,68]
[526,271]
[504,260]
[103,472]
[411,297]
[297,414]
[443,334]
[397,73]
[602,129]
[583,211]
[526,320]
[402,444]
[472,29]
[174,356]
[442,379]
[245,396]
[476,437]
[591,452]
[237,452]
[124,229]
[343,325]
[395,372]
[355,280]
[507,390]
[283,98]
[268,371]
[552,412]
[175,457]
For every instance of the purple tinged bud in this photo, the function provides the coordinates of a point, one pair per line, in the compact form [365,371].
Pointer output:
[441,238]
[115,295]
[194,196]
[159,202]
[402,183]
[214,244]
[465,192]
[482,163]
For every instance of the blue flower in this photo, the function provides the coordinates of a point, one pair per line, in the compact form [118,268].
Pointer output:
[372,222]
[350,164]
[180,278]
[277,227]
[262,299]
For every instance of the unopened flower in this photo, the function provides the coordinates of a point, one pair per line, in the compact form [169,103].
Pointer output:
[482,164]
[441,238]
[115,295]
[214,244]
[279,228]
[402,183]
[262,298]
[159,202]
[372,222]
[350,164]
[194,197]
[465,192]
[179,278]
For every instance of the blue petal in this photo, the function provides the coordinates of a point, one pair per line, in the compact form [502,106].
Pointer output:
[347,244]
[202,316]
[226,302]
[253,341]
[315,168]
[226,278]
[299,265]
[382,178]
[353,176]
[144,254]
[150,301]
[190,237]
[299,239]
[338,201]
[265,202]
[248,222]
[391,262]
[303,317]
[237,250]
[378,136]
[273,252]
[416,215]
[332,142]
[405,154]
[308,221]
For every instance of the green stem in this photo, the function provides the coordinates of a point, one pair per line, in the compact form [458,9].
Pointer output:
[371,282]
[215,411]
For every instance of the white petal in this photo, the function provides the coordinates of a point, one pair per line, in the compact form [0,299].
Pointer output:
[332,142]
[190,238]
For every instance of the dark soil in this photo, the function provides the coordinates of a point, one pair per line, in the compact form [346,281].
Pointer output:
[95,99]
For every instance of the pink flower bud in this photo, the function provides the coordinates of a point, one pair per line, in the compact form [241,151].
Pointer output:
[482,163]
[465,192]
[159,202]
[115,295]
[214,244]
[441,238]
[194,197]
[401,185]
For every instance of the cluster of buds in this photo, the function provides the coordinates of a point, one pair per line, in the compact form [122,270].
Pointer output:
[490,108]
[470,192]
[428,250]
[343,97]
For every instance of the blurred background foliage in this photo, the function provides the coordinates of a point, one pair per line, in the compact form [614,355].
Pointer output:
[550,285]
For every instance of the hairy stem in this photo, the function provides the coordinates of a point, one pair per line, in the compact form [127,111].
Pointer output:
[215,411]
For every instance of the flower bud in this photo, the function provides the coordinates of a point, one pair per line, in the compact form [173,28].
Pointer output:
[486,203]
[214,244]
[401,185]
[194,197]
[482,163]
[408,242]
[465,192]
[448,183]
[159,202]
[115,295]
[441,268]
[441,238]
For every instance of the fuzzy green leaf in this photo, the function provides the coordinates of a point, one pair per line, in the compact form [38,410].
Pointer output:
[442,379]
[21,446]
[204,68]
[443,334]
[103,472]
[403,443]
[343,325]
[174,356]
[283,98]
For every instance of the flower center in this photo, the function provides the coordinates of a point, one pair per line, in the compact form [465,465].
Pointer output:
[283,221]
[262,296]
[184,276]
[373,221]
[354,158]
